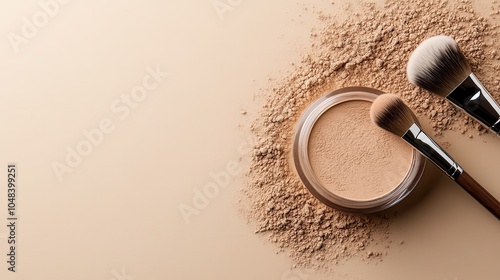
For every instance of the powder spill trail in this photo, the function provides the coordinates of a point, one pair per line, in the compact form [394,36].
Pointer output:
[370,49]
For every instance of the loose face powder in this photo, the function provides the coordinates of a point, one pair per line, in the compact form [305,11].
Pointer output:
[353,158]
[371,49]
[349,163]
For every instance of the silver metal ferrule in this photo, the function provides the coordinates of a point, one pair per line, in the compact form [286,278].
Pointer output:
[430,149]
[472,97]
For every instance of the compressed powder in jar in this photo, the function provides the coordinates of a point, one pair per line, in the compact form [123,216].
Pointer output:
[353,158]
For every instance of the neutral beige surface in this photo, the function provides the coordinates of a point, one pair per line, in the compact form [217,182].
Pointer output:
[116,214]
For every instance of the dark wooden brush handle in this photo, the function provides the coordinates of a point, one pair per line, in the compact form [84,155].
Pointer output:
[479,193]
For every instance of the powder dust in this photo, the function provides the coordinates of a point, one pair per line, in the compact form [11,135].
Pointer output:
[348,165]
[369,49]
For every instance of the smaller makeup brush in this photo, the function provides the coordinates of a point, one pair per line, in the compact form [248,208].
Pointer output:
[439,66]
[390,112]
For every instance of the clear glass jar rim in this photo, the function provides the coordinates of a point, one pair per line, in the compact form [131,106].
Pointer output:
[304,168]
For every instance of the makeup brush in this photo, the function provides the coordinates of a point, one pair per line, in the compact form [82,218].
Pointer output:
[439,66]
[389,112]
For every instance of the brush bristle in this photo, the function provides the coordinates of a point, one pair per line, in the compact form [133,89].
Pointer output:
[390,112]
[438,65]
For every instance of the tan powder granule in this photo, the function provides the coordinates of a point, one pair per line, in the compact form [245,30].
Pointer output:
[370,49]
[353,158]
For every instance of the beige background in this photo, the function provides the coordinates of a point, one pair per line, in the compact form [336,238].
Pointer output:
[116,214]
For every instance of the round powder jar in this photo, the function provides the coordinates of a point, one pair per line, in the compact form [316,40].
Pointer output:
[349,163]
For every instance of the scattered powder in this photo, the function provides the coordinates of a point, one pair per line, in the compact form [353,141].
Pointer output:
[374,49]
[370,49]
[353,158]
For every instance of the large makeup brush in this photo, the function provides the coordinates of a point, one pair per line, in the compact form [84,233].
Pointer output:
[389,112]
[439,66]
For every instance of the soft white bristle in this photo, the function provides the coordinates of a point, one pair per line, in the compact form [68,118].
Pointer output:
[438,65]
[390,112]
